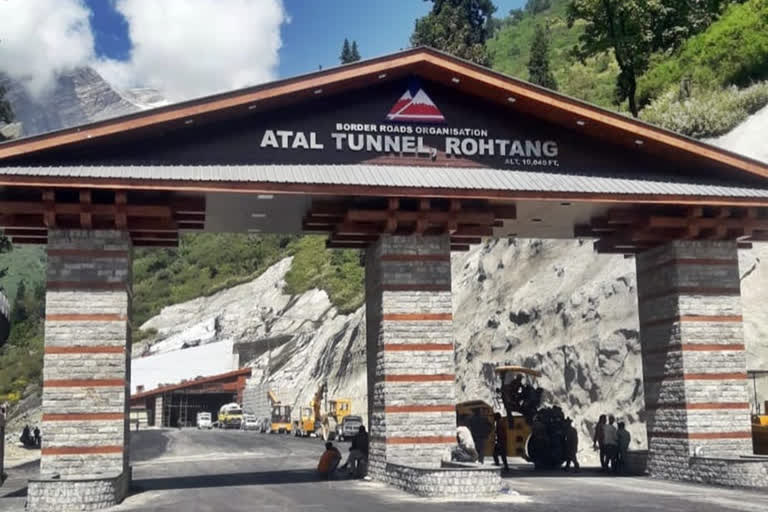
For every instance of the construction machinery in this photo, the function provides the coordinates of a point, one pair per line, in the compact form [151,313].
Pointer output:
[533,432]
[230,416]
[305,425]
[329,419]
[281,416]
[759,417]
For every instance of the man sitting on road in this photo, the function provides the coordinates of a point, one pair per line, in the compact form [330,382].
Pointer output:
[329,461]
[358,454]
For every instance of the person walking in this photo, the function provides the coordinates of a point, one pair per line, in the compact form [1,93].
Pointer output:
[610,440]
[480,429]
[597,441]
[500,442]
[571,446]
[623,438]
[36,434]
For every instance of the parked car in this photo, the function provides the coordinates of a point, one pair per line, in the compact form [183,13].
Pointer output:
[250,422]
[204,420]
[349,428]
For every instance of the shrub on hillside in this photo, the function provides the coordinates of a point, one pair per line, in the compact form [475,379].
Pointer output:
[706,113]
[733,50]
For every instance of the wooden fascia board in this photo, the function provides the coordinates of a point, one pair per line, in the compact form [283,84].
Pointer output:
[635,129]
[119,125]
[330,189]
[488,78]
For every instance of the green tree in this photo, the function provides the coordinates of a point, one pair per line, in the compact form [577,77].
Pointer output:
[537,6]
[346,52]
[19,311]
[620,26]
[458,27]
[539,71]
[355,54]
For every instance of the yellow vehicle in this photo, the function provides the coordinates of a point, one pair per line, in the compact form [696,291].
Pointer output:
[760,433]
[305,425]
[328,422]
[281,419]
[516,425]
[230,416]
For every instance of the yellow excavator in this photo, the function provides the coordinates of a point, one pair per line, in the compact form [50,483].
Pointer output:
[759,418]
[328,422]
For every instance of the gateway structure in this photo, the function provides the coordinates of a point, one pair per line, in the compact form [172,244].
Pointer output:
[295,156]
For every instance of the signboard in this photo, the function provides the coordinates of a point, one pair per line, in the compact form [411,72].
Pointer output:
[409,122]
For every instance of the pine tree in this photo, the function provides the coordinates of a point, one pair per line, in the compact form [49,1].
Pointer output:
[538,67]
[355,54]
[346,52]
[458,27]
[19,312]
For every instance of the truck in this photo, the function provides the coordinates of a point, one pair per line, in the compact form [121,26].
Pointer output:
[204,420]
[230,416]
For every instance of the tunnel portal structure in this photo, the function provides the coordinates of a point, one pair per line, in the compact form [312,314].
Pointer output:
[408,157]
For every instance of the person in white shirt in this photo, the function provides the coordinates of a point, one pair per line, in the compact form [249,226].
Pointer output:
[465,451]
[611,442]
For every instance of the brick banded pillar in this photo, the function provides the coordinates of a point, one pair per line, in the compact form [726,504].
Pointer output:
[411,369]
[86,371]
[694,365]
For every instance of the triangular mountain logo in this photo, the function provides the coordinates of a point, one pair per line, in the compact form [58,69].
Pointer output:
[415,108]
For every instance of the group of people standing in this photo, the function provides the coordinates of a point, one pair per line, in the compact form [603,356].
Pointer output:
[472,436]
[613,443]
[30,438]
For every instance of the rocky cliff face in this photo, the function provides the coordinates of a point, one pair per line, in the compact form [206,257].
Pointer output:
[80,96]
[550,305]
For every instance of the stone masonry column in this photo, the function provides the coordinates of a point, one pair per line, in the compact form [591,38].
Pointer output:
[694,366]
[86,373]
[411,369]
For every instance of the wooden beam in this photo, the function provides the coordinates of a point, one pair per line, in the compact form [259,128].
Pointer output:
[459,248]
[49,208]
[354,238]
[121,215]
[30,240]
[86,217]
[435,217]
[466,241]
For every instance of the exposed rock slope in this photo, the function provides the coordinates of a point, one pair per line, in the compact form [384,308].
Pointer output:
[551,305]
[80,96]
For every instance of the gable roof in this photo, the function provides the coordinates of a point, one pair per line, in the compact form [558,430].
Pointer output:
[429,63]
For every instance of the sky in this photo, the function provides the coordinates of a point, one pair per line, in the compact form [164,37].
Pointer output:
[191,48]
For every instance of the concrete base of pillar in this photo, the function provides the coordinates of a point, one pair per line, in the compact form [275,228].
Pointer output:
[452,480]
[64,495]
[748,472]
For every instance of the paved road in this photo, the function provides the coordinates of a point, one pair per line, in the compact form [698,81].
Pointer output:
[218,471]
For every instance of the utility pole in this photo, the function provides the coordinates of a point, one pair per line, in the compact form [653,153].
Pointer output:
[3,408]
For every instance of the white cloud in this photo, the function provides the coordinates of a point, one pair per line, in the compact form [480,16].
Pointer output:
[40,38]
[192,48]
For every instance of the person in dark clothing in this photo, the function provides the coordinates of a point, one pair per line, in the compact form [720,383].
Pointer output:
[26,437]
[500,442]
[599,441]
[36,433]
[623,438]
[480,429]
[571,446]
[358,453]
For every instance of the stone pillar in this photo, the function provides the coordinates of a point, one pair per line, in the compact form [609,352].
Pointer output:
[159,411]
[86,373]
[411,369]
[694,366]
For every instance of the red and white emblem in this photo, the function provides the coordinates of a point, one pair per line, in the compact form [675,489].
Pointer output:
[415,109]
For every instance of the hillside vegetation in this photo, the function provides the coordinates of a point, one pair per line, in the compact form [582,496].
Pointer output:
[510,50]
